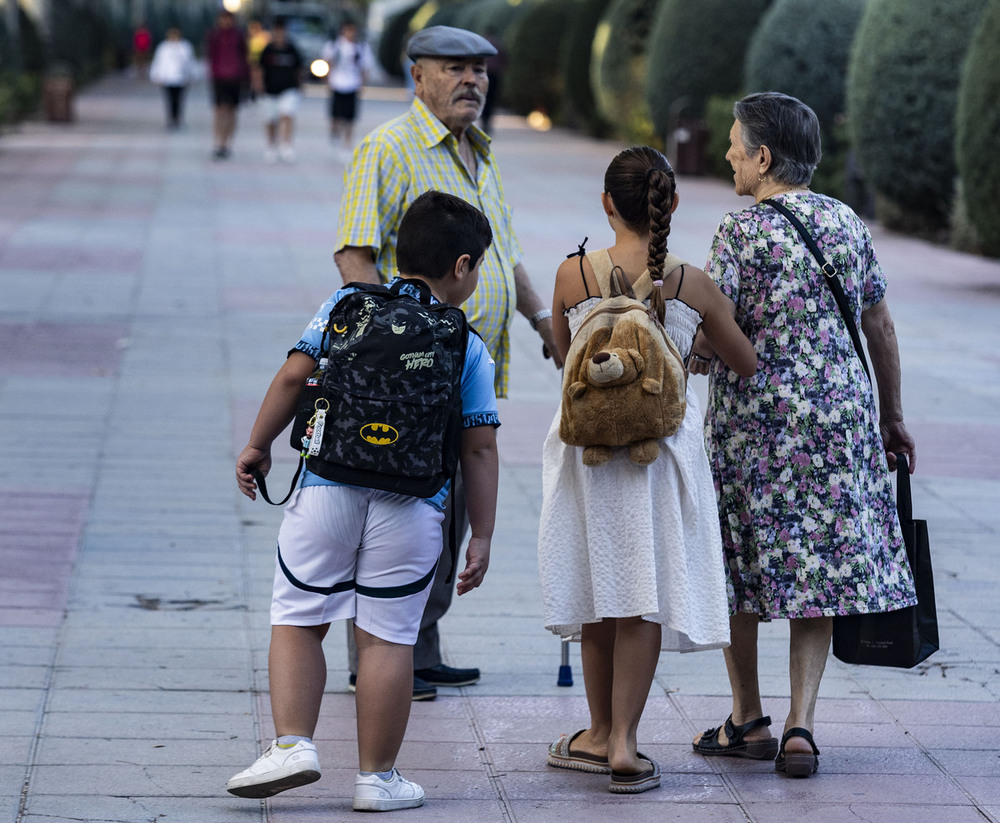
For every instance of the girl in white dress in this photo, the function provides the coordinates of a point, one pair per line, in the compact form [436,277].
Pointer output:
[630,556]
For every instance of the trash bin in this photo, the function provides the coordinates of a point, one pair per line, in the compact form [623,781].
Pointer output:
[690,139]
[57,96]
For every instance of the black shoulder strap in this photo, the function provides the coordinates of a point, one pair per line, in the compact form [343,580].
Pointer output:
[830,271]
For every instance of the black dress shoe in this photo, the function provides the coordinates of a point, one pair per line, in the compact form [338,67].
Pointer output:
[422,690]
[447,676]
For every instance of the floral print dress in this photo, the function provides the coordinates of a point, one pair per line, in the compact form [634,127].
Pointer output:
[806,506]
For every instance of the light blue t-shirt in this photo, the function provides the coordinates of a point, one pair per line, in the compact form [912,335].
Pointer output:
[479,400]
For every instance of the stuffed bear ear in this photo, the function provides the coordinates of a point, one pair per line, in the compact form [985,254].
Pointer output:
[638,359]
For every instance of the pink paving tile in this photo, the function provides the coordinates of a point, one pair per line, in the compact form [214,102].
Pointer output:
[71,259]
[85,350]
[42,581]
[281,298]
[522,432]
[298,238]
[892,812]
[956,450]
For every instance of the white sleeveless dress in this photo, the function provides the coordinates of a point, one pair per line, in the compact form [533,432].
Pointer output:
[622,540]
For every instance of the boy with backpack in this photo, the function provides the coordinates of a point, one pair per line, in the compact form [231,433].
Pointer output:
[358,551]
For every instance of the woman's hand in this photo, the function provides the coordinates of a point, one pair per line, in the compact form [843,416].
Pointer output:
[895,439]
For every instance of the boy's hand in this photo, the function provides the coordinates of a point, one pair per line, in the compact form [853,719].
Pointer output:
[251,458]
[477,560]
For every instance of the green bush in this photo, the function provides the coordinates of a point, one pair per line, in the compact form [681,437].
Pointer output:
[534,80]
[390,45]
[496,17]
[697,50]
[802,48]
[977,126]
[902,94]
[718,119]
[80,38]
[618,67]
[580,109]
[447,14]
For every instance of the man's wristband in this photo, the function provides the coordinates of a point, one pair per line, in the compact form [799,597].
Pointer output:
[538,317]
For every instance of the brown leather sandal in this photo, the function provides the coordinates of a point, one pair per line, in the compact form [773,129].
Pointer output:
[710,746]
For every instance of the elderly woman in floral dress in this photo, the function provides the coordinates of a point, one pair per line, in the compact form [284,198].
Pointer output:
[800,455]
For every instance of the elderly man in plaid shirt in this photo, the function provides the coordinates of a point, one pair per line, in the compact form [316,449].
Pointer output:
[436,145]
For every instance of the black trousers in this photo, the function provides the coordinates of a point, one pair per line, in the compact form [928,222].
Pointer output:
[175,104]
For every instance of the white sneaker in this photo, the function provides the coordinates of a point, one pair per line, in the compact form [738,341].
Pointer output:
[286,153]
[276,770]
[373,794]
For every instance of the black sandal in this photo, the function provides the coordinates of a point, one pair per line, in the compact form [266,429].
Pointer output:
[797,764]
[738,747]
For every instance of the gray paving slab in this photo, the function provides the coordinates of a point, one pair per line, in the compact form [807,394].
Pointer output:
[134,684]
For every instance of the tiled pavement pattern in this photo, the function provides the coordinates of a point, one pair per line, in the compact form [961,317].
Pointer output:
[148,294]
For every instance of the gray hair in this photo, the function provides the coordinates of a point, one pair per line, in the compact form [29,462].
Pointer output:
[789,129]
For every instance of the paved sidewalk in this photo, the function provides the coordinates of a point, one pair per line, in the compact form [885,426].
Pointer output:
[147,296]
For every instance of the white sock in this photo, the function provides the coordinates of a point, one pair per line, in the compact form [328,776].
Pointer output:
[386,776]
[286,741]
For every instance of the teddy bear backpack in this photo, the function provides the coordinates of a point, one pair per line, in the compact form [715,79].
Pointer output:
[624,380]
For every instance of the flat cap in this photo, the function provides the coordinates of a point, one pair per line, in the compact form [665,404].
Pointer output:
[447,41]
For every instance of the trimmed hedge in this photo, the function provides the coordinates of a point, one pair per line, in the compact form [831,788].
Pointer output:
[496,17]
[696,50]
[978,124]
[618,67]
[802,48]
[580,109]
[390,44]
[902,95]
[534,81]
[81,39]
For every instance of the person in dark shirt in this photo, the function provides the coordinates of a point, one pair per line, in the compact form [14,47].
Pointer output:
[279,79]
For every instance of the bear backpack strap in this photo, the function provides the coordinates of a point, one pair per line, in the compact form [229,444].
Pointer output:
[643,285]
[600,261]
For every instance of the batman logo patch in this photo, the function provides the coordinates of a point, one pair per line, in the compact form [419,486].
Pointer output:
[379,434]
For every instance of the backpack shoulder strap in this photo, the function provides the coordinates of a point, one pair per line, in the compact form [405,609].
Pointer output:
[600,261]
[643,285]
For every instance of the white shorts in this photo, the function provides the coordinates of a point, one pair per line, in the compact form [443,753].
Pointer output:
[281,105]
[345,552]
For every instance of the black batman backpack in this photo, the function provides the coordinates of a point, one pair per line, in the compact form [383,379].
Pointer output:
[384,408]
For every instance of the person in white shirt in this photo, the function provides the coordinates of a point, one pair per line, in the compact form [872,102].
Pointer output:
[173,68]
[350,60]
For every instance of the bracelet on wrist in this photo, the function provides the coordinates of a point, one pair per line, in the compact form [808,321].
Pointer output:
[538,317]
[700,359]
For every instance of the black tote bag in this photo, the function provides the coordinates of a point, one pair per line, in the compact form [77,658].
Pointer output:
[905,637]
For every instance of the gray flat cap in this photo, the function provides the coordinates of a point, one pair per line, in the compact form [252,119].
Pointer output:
[447,41]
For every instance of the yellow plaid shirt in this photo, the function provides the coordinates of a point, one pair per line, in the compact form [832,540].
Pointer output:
[398,162]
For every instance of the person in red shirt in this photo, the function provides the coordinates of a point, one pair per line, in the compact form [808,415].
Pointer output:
[226,49]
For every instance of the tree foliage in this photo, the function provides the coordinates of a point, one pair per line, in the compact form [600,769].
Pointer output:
[697,50]
[978,127]
[618,66]
[580,109]
[534,81]
[902,95]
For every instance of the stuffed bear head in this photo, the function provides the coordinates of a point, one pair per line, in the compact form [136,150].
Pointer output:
[622,392]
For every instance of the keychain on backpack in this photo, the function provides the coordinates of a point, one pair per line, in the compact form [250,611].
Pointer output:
[317,425]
